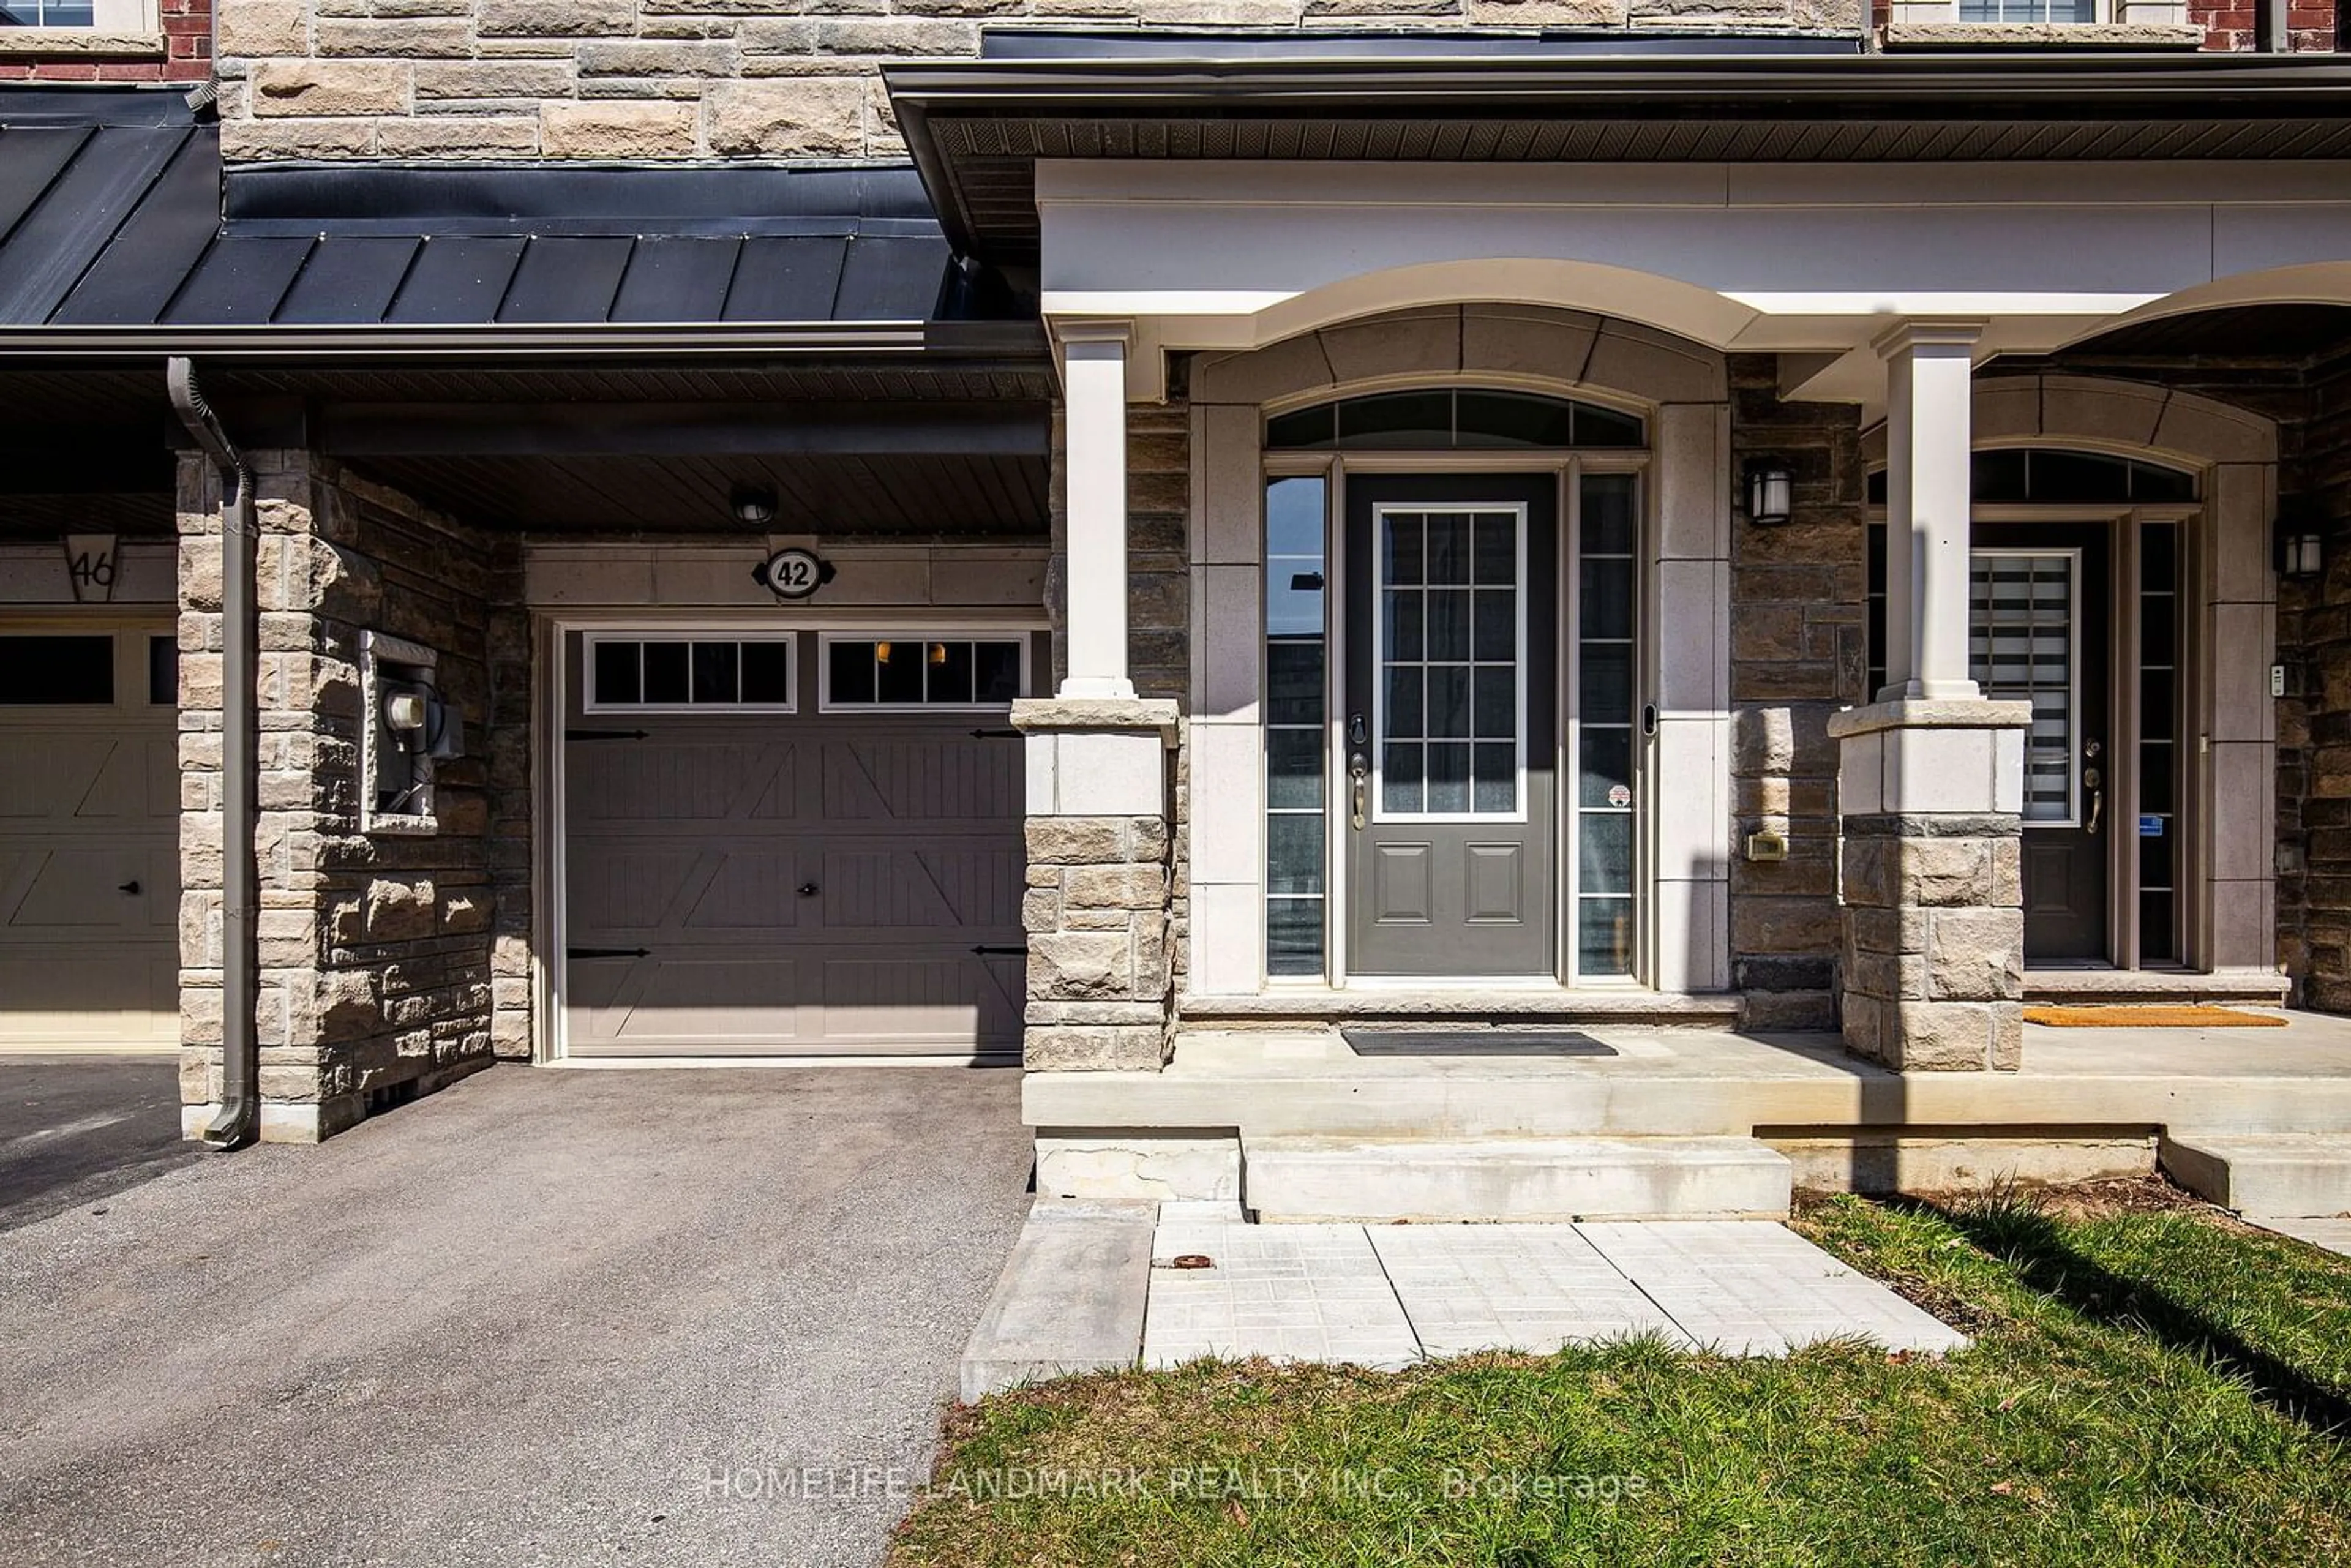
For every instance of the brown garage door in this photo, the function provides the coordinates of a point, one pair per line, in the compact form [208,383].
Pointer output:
[89,869]
[809,883]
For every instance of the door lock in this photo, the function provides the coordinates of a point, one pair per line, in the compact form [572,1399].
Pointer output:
[807,889]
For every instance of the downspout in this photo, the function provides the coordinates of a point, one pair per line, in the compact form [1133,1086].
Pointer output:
[240,1120]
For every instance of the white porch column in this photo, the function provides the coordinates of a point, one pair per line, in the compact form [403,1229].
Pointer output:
[1929,389]
[1094,387]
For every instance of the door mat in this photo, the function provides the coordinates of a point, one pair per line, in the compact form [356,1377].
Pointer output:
[2189,1017]
[1473,1042]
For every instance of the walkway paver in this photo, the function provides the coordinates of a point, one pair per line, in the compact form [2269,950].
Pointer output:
[1385,1296]
[2335,1235]
[1743,1288]
[1513,1287]
[1293,1292]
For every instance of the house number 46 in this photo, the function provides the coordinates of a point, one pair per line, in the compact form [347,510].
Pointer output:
[89,563]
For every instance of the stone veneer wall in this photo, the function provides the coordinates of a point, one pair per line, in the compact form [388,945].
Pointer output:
[2314,803]
[729,79]
[390,965]
[1799,652]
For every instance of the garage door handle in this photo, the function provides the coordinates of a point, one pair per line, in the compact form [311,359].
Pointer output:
[607,952]
[987,952]
[807,889]
[604,734]
[130,887]
[996,735]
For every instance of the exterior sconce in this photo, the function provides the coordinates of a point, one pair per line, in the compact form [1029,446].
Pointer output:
[1770,493]
[2301,546]
[753,505]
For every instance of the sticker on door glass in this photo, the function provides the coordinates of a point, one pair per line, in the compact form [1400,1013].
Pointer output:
[1620,796]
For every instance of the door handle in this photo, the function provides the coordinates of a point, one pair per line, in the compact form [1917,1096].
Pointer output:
[2096,782]
[807,889]
[131,887]
[1359,773]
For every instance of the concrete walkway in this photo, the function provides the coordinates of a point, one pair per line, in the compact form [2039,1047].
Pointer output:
[1097,1287]
[1388,1295]
[2335,1235]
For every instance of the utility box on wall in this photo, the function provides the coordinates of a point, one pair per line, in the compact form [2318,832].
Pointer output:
[410,727]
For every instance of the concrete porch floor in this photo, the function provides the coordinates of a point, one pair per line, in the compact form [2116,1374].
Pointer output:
[1665,1083]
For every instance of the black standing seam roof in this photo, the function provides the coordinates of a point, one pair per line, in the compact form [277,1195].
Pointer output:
[123,218]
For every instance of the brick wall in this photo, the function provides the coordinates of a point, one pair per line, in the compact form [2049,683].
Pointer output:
[386,960]
[185,54]
[2236,25]
[684,78]
[1797,653]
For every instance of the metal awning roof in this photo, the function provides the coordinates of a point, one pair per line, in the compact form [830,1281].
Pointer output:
[118,234]
[976,128]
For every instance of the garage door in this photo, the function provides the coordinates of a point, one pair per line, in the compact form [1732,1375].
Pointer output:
[89,867]
[789,844]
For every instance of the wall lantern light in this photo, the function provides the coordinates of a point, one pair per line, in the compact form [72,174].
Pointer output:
[1770,493]
[755,505]
[2299,547]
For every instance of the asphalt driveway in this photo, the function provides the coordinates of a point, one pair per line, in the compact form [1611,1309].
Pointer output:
[74,1129]
[542,1317]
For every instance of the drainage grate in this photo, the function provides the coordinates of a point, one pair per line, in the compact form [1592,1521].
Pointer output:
[1473,1042]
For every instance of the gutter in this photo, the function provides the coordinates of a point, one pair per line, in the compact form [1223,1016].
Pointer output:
[240,1120]
[499,343]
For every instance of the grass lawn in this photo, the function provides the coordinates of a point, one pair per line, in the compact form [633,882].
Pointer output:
[2151,1384]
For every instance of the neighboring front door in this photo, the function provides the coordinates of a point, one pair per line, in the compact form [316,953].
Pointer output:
[2041,632]
[1448,803]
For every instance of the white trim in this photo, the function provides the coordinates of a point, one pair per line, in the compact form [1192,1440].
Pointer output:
[591,642]
[1020,639]
[1519,528]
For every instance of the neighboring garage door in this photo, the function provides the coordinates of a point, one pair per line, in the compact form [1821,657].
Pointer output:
[89,843]
[760,862]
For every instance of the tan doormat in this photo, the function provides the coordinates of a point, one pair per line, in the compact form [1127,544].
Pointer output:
[2197,1017]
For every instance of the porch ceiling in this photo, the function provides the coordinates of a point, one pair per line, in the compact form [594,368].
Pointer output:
[977,129]
[902,496]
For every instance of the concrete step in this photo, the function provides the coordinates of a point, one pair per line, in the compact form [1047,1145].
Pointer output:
[1070,1297]
[1302,1179]
[1518,1005]
[2085,988]
[2285,1176]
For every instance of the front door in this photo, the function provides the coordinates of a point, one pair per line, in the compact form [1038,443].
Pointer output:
[1451,724]
[2039,627]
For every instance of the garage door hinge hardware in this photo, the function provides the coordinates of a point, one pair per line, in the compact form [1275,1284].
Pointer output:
[604,734]
[996,735]
[607,952]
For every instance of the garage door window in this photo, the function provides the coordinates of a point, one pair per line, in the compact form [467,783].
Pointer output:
[645,675]
[922,674]
[56,671]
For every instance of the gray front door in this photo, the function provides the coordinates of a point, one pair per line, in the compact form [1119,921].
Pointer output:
[1451,725]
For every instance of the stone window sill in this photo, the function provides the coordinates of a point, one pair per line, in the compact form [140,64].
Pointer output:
[2042,36]
[81,42]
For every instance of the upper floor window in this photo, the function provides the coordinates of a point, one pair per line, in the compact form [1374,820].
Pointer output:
[2028,10]
[1450,417]
[47,14]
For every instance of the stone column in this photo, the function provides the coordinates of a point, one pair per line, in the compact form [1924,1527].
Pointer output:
[1093,386]
[1932,795]
[1100,943]
[1929,424]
